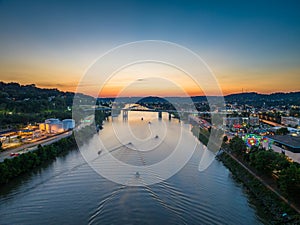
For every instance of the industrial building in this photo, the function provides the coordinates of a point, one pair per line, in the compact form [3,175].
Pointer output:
[53,125]
[68,124]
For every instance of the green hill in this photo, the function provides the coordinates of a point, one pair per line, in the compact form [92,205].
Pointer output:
[22,104]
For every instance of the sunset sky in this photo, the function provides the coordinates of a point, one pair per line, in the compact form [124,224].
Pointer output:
[249,45]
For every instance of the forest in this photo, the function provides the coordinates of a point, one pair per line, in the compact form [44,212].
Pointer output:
[24,104]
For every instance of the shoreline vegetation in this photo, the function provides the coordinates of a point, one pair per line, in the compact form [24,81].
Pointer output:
[26,162]
[275,209]
[14,167]
[273,206]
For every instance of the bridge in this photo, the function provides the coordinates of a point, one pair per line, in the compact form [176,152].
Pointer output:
[159,111]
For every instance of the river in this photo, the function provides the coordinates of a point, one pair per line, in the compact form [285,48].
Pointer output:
[69,191]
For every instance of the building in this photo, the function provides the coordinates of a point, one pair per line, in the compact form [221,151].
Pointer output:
[286,142]
[56,128]
[53,126]
[68,124]
[239,121]
[52,121]
[290,121]
[2,138]
[231,121]
[254,121]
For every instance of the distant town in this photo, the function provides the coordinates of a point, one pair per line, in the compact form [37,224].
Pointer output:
[260,133]
[269,121]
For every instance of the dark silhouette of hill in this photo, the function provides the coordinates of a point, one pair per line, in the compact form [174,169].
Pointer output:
[267,99]
[242,98]
[22,104]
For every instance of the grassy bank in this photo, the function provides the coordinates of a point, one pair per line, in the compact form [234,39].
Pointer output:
[11,168]
[14,167]
[273,206]
[267,201]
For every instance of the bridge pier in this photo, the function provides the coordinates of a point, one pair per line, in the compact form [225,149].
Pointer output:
[170,116]
[125,114]
[160,115]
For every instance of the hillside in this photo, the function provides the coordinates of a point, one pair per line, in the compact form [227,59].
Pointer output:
[22,104]
[255,99]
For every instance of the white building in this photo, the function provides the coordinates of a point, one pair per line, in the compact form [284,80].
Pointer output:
[52,126]
[290,121]
[52,121]
[68,124]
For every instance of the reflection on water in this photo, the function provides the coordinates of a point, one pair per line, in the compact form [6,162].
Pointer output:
[69,192]
[156,149]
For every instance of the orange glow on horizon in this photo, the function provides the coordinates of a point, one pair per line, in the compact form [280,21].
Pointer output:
[230,82]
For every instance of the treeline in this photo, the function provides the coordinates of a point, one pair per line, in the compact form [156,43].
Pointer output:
[23,104]
[11,168]
[268,163]
[31,99]
[257,100]
[268,202]
[272,165]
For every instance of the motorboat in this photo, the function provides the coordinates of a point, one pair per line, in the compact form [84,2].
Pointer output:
[137,175]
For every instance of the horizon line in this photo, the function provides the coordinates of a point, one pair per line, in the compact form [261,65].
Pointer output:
[232,93]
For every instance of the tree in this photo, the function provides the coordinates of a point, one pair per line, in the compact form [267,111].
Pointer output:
[289,181]
[282,131]
[268,161]
[225,139]
[263,161]
[237,146]
[0,146]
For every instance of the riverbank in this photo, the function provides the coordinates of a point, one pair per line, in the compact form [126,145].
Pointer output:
[273,206]
[24,163]
[11,168]
[33,146]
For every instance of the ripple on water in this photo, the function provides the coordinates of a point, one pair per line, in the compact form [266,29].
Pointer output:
[68,191]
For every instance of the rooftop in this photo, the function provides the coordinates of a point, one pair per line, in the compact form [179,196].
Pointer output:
[292,141]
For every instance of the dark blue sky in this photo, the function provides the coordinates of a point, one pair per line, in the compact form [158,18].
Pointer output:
[238,39]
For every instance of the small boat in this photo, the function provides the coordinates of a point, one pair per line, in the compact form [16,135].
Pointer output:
[137,175]
[99,152]
[156,136]
[149,122]
[142,118]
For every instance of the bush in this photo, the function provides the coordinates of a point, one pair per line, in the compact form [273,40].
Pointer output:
[11,168]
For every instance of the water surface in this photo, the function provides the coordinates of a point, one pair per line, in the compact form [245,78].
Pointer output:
[69,191]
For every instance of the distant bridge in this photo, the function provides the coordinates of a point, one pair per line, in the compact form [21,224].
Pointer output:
[159,111]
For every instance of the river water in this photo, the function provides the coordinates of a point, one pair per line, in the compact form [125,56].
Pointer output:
[69,191]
